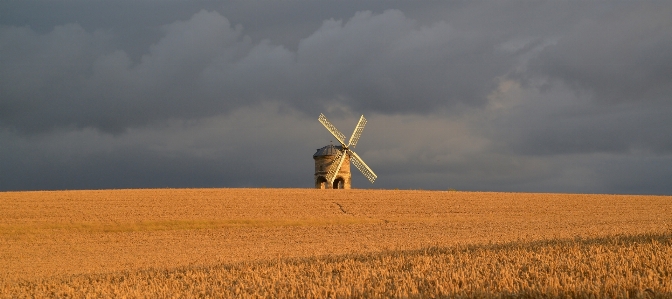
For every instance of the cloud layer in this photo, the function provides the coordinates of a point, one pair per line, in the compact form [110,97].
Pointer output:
[204,65]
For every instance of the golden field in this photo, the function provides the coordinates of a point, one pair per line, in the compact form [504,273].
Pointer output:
[333,243]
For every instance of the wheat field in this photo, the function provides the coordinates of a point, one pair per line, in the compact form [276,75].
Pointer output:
[274,243]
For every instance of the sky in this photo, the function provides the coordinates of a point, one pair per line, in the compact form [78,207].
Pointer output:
[520,96]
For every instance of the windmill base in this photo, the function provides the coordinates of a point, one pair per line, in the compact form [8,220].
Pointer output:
[339,183]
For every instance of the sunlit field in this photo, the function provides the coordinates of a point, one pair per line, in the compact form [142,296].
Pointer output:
[333,243]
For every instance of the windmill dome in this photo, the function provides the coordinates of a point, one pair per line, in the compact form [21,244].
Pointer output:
[329,150]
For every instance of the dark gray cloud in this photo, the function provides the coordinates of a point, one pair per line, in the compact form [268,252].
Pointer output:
[205,65]
[263,145]
[617,56]
[515,95]
[554,121]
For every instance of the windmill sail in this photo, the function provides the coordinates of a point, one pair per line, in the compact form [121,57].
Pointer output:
[357,132]
[339,136]
[359,163]
[335,167]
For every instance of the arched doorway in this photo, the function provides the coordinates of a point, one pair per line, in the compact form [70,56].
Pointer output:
[339,183]
[321,183]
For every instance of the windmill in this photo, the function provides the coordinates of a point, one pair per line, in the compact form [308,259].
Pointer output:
[333,157]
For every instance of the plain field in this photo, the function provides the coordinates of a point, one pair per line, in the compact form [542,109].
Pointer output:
[64,238]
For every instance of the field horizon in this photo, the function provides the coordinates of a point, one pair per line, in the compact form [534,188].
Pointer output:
[336,190]
[115,242]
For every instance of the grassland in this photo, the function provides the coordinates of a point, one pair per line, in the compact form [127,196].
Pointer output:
[333,243]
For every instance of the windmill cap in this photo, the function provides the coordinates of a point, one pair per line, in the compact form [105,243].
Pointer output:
[329,150]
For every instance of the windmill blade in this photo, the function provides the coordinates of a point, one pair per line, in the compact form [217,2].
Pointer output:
[339,136]
[359,163]
[358,132]
[335,167]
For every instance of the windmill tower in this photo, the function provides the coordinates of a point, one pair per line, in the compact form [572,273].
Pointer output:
[332,163]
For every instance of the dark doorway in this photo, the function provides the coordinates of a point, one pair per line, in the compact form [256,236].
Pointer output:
[338,183]
[321,183]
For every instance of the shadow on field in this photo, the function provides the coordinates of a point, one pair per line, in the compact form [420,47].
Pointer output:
[636,266]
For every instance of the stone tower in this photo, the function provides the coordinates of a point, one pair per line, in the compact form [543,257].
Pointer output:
[324,157]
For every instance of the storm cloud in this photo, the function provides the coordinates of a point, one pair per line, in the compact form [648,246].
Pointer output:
[205,65]
[511,96]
